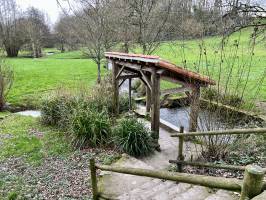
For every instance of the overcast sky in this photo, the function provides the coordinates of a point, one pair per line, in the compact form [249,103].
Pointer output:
[53,10]
[48,6]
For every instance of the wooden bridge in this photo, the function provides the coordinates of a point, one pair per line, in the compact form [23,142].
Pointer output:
[150,70]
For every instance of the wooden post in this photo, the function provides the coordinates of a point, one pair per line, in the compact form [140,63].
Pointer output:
[115,89]
[93,179]
[194,109]
[180,150]
[155,108]
[253,182]
[129,94]
[148,99]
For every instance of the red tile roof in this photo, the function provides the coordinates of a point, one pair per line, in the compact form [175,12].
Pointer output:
[158,62]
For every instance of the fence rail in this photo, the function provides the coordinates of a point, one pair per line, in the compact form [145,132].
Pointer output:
[224,132]
[180,159]
[251,186]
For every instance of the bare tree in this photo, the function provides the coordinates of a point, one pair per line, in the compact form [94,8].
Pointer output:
[95,28]
[11,27]
[66,34]
[149,21]
[37,30]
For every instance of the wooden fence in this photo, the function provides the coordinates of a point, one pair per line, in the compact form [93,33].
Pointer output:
[251,186]
[180,159]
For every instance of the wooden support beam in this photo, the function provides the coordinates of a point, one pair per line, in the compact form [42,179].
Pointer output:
[120,72]
[146,79]
[148,98]
[175,90]
[155,108]
[134,66]
[115,89]
[194,109]
[129,76]
[121,83]
[129,94]
[129,65]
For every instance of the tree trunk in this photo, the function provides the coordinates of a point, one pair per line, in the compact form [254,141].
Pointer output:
[12,51]
[62,47]
[99,73]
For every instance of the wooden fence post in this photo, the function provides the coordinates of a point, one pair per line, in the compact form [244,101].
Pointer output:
[180,150]
[253,182]
[93,179]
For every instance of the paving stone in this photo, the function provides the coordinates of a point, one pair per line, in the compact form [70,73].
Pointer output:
[195,193]
[223,195]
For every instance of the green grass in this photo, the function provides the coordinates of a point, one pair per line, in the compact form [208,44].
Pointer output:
[187,54]
[35,77]
[22,136]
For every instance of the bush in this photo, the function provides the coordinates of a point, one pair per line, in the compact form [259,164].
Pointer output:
[90,127]
[133,137]
[6,82]
[226,99]
[79,115]
[124,103]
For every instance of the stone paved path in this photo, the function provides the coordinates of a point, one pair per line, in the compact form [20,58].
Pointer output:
[129,187]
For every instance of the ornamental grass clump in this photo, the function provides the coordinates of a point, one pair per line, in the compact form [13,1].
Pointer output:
[87,123]
[133,137]
[90,127]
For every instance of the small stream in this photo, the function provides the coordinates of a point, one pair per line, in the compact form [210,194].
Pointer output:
[206,119]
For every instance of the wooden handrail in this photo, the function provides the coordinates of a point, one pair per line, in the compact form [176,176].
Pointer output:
[231,184]
[209,165]
[251,186]
[224,132]
[212,165]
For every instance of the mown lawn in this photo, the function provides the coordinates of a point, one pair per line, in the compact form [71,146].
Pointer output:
[35,77]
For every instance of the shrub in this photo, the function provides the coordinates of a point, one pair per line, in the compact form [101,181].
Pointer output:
[133,137]
[6,82]
[57,107]
[228,99]
[90,127]
[124,103]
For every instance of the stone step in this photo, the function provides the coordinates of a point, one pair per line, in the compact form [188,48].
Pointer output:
[195,193]
[153,192]
[223,195]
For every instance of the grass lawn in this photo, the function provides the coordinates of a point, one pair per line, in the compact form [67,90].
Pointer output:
[35,77]
[190,54]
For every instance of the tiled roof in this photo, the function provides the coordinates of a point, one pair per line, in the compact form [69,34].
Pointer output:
[160,63]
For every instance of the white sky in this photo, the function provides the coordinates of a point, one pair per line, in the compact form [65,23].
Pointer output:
[50,7]
[53,11]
